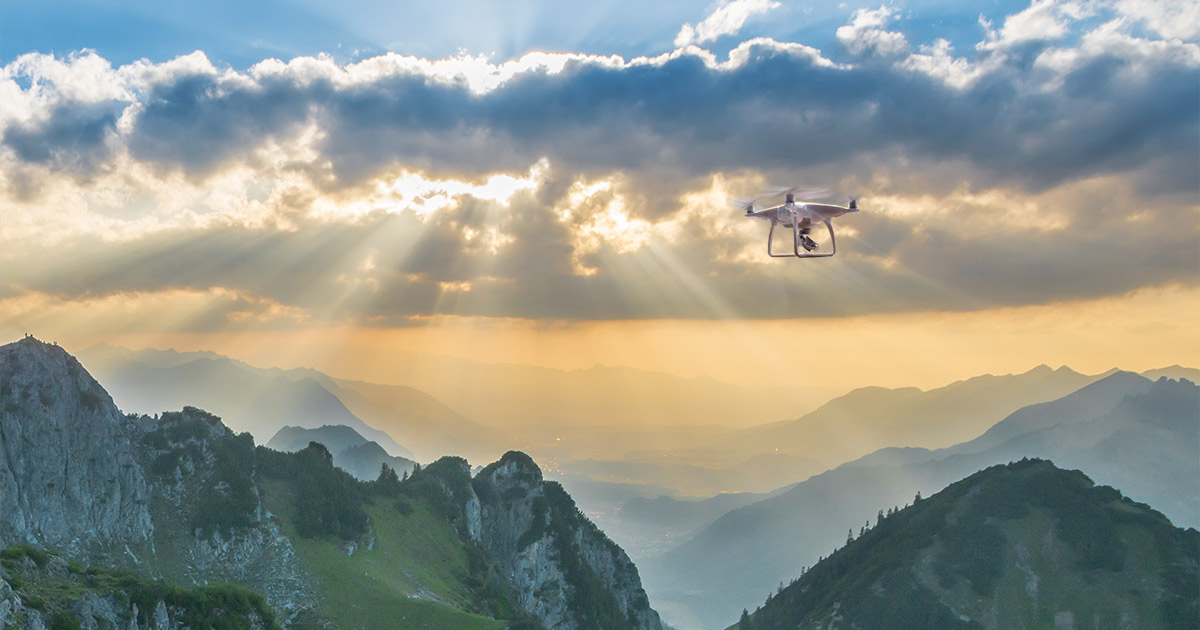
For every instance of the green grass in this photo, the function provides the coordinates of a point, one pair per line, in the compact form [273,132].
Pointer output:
[411,579]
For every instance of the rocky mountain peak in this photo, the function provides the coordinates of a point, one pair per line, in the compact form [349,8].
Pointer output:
[514,468]
[562,569]
[53,411]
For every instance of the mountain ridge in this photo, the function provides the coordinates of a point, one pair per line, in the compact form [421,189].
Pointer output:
[1024,544]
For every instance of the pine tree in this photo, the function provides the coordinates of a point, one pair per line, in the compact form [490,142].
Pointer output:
[744,622]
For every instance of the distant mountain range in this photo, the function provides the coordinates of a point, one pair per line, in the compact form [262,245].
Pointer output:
[871,418]
[351,452]
[1141,436]
[1023,545]
[532,396]
[246,398]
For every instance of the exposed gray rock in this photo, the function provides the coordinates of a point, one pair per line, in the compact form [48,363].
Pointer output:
[261,556]
[53,412]
[522,519]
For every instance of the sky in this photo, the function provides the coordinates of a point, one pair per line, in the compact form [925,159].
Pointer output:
[347,186]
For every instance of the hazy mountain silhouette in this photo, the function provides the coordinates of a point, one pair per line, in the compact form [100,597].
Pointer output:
[1174,372]
[245,399]
[531,396]
[871,418]
[427,426]
[351,452]
[1147,443]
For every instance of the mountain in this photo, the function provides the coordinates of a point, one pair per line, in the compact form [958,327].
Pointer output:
[247,399]
[1174,372]
[871,418]
[759,473]
[336,438]
[528,396]
[175,521]
[1088,402]
[1142,437]
[426,425]
[68,473]
[1023,545]
[565,568]
[650,526]
[352,452]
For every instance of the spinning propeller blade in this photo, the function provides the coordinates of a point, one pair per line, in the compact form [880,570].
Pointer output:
[746,205]
[799,193]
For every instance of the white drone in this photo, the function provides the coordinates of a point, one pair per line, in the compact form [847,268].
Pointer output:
[801,217]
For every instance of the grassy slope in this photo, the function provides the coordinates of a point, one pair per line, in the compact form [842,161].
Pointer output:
[409,580]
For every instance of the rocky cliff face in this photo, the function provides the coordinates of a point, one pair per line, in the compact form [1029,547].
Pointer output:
[160,495]
[68,475]
[207,508]
[563,569]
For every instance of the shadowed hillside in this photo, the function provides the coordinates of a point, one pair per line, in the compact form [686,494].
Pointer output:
[1024,545]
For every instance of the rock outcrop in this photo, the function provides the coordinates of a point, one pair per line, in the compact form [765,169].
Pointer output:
[562,568]
[70,597]
[68,475]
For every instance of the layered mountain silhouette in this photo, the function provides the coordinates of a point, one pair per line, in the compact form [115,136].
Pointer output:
[871,418]
[246,398]
[1142,437]
[351,452]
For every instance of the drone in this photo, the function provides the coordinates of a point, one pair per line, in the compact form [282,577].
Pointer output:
[801,216]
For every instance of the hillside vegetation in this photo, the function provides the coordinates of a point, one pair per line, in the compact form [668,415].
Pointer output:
[1024,545]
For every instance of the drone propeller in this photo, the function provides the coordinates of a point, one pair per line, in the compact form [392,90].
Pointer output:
[802,193]
[850,200]
[746,205]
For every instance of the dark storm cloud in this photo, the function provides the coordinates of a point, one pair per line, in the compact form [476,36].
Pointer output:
[71,138]
[195,123]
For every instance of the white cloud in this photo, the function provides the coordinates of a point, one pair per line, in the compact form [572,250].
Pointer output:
[1169,18]
[727,19]
[865,35]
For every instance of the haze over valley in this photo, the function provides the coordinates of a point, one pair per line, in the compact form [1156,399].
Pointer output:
[715,515]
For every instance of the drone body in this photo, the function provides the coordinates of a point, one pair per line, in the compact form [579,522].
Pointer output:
[801,216]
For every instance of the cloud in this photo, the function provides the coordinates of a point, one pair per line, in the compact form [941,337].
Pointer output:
[1169,18]
[865,36]
[727,19]
[1030,168]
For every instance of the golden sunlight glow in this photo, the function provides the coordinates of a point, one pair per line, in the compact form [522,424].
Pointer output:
[922,349]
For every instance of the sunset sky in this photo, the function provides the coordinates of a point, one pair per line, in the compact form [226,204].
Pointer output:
[348,185]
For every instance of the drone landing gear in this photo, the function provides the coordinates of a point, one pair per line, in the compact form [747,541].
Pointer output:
[800,240]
